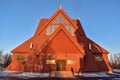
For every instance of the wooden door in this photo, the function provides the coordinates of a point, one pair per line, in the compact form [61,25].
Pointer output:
[61,65]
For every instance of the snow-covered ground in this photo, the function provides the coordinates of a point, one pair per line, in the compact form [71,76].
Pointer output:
[116,71]
[1,68]
[101,74]
[27,75]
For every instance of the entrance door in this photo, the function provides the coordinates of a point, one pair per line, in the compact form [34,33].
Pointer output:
[61,65]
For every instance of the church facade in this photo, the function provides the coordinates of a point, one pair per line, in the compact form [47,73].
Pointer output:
[59,44]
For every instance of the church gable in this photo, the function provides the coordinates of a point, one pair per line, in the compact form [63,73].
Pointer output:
[62,43]
[59,20]
[60,17]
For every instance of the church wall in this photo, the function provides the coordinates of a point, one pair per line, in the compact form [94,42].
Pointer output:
[90,64]
[17,63]
[67,57]
[96,62]
[19,57]
[100,61]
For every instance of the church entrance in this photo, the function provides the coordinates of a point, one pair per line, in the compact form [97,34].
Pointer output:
[61,65]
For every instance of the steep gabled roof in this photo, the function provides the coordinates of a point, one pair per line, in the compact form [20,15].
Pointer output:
[41,25]
[25,47]
[96,48]
[76,24]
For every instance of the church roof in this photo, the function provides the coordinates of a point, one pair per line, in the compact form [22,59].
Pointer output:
[45,22]
[25,47]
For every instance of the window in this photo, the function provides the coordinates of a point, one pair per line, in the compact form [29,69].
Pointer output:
[60,20]
[98,58]
[70,29]
[50,62]
[21,57]
[51,29]
[71,61]
[48,32]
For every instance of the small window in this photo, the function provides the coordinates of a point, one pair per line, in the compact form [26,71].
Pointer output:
[48,32]
[51,29]
[67,27]
[57,20]
[98,58]
[70,29]
[66,22]
[50,62]
[60,20]
[71,61]
[21,57]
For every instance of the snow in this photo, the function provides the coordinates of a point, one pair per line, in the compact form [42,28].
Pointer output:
[34,74]
[2,68]
[100,74]
[116,70]
[4,73]
[44,75]
[116,78]
[27,75]
[23,75]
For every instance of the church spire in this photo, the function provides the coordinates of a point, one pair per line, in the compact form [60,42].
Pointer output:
[60,6]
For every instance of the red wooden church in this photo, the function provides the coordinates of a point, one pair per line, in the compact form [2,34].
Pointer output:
[59,44]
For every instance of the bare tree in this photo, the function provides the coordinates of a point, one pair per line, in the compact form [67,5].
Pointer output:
[5,59]
[115,61]
[1,57]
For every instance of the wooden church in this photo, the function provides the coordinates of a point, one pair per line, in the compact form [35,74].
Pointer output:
[59,44]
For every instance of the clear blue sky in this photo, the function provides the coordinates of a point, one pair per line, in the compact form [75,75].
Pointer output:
[99,18]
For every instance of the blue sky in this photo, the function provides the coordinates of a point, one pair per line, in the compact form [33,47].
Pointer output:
[99,18]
